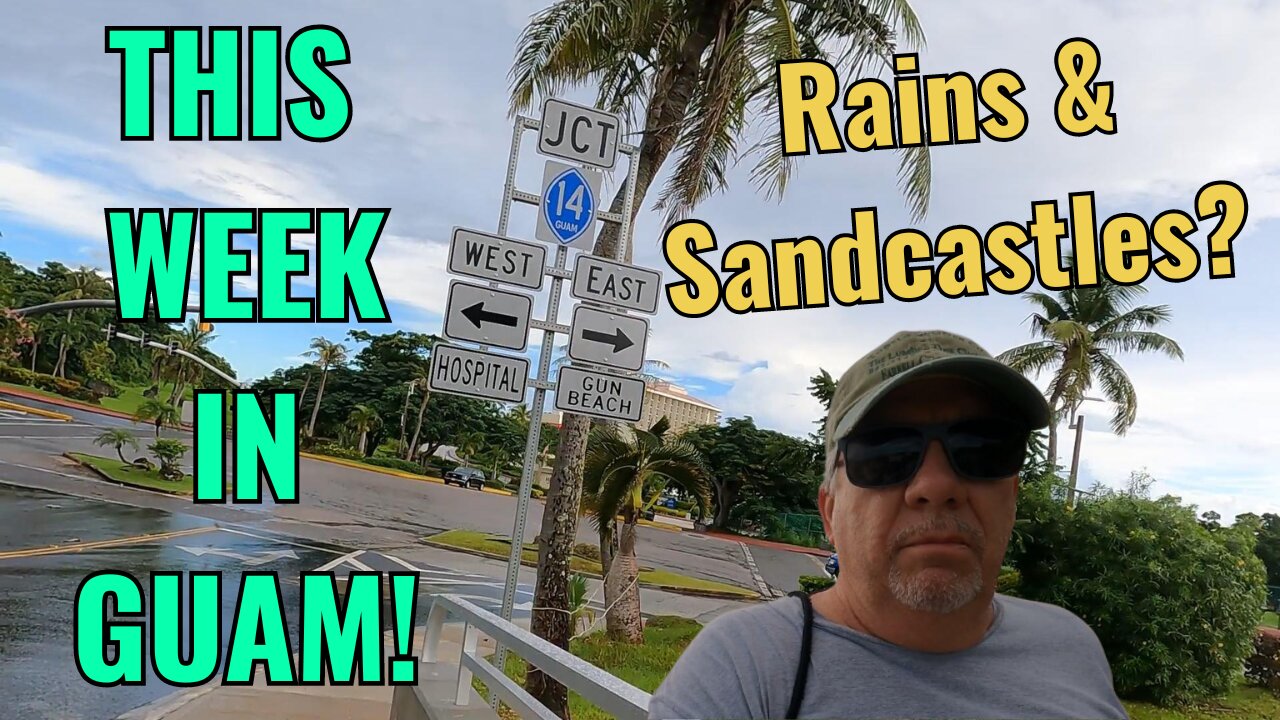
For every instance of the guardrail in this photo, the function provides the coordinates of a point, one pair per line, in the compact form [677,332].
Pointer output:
[610,694]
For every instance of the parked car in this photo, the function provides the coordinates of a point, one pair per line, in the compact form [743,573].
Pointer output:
[833,565]
[465,477]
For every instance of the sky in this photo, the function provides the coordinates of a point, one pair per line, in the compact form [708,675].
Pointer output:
[431,133]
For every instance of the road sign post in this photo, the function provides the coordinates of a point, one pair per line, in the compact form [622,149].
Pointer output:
[569,205]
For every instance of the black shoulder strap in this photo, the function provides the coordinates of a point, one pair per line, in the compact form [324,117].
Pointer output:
[802,668]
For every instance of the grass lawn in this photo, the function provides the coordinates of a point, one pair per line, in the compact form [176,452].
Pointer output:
[130,397]
[644,666]
[36,391]
[1270,619]
[500,545]
[1242,703]
[129,475]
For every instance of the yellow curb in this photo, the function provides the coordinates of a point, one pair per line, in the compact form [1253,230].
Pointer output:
[668,588]
[5,405]
[370,468]
[389,471]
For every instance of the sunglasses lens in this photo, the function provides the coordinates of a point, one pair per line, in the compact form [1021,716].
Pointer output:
[882,457]
[987,449]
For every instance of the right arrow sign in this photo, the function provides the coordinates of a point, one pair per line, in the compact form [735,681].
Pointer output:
[605,338]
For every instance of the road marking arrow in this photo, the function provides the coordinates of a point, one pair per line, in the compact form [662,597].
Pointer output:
[477,315]
[264,556]
[618,339]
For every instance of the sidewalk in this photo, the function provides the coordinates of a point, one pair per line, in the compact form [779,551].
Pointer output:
[313,702]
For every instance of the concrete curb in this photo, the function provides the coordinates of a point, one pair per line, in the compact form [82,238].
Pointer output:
[4,405]
[665,588]
[107,478]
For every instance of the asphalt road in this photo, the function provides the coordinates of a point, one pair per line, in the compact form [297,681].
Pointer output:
[365,509]
[42,565]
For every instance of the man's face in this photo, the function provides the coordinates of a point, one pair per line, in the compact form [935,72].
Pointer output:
[883,536]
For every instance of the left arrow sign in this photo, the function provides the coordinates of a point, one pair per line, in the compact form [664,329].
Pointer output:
[478,316]
[487,316]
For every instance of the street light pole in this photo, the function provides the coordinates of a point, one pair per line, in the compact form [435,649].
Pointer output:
[405,411]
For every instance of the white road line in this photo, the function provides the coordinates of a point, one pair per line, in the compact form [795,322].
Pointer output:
[48,437]
[338,561]
[763,586]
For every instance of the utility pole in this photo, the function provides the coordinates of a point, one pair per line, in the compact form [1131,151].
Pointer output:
[1075,459]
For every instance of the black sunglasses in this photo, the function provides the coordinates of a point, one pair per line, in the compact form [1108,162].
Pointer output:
[981,449]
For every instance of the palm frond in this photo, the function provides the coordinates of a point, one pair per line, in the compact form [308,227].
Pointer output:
[1140,341]
[715,120]
[915,179]
[1146,316]
[1117,387]
[563,45]
[1030,358]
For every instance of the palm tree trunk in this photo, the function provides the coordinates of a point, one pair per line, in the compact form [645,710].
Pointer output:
[60,369]
[302,396]
[673,89]
[606,550]
[315,410]
[417,428]
[555,546]
[364,434]
[1052,449]
[35,350]
[622,594]
[120,453]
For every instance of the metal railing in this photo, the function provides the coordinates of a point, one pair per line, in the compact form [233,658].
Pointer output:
[612,695]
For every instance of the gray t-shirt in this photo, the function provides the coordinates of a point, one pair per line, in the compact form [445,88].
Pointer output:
[1036,661]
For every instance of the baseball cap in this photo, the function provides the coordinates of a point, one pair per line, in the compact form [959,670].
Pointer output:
[909,355]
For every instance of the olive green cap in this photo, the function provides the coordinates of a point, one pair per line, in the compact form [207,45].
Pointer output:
[909,355]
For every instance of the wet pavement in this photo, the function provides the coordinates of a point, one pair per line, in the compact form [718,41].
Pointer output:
[50,542]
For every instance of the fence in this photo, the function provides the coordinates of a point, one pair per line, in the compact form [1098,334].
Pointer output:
[617,698]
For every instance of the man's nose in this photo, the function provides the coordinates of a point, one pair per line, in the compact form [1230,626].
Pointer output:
[936,482]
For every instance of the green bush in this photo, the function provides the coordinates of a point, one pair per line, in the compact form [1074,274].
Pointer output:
[814,583]
[1008,581]
[48,383]
[1174,604]
[338,451]
[396,464]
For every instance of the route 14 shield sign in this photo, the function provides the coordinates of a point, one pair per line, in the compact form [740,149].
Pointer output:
[568,208]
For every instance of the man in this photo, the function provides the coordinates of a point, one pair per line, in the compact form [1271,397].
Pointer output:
[925,439]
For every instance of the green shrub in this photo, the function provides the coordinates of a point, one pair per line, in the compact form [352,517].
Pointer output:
[814,583]
[1174,604]
[1008,581]
[396,464]
[338,451]
[588,551]
[1263,666]
[48,383]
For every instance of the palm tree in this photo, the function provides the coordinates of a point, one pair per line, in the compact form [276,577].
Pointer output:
[81,283]
[328,355]
[695,72]
[182,370]
[1081,330]
[617,470]
[117,438]
[157,412]
[467,444]
[361,420]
